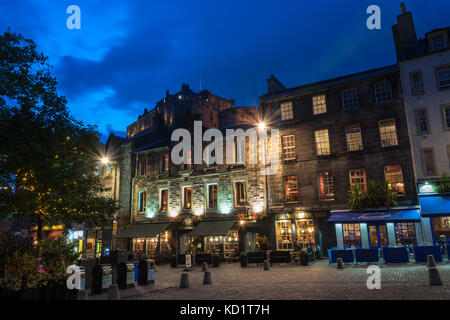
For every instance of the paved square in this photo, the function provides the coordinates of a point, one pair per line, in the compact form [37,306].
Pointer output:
[319,281]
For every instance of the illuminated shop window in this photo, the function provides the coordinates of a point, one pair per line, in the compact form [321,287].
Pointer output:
[405,233]
[305,233]
[284,235]
[352,234]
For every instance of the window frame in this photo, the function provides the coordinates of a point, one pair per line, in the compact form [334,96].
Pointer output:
[140,204]
[444,119]
[319,153]
[411,82]
[359,177]
[418,123]
[283,147]
[360,136]
[289,112]
[355,98]
[160,207]
[350,235]
[326,195]
[438,36]
[183,198]
[438,81]
[319,106]
[208,196]
[386,174]
[433,159]
[286,179]
[381,133]
[239,204]
[383,92]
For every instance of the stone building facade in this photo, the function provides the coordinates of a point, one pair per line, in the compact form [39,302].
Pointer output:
[334,134]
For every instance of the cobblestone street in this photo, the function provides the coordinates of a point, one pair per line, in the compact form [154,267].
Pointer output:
[319,281]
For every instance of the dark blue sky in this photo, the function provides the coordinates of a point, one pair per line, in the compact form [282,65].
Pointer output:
[128,53]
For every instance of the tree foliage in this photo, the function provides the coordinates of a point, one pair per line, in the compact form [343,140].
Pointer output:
[372,195]
[47,158]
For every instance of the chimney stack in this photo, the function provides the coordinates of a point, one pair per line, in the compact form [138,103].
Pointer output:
[405,37]
[402,5]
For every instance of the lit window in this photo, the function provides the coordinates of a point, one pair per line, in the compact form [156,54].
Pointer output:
[444,78]
[394,178]
[319,104]
[212,196]
[187,198]
[326,186]
[142,201]
[422,121]
[163,200]
[240,197]
[286,111]
[349,99]
[322,142]
[388,133]
[416,83]
[405,233]
[288,143]
[291,189]
[284,235]
[428,162]
[354,138]
[164,163]
[142,165]
[352,234]
[357,178]
[446,115]
[438,43]
[305,233]
[383,92]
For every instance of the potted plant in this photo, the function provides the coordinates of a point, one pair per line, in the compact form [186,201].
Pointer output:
[262,242]
[243,259]
[304,257]
[173,260]
[215,260]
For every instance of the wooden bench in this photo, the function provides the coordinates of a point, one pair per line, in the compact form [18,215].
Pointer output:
[280,257]
[256,257]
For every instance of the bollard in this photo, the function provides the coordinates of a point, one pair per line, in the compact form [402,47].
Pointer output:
[113,292]
[266,265]
[184,283]
[82,295]
[434,277]
[207,278]
[431,261]
[339,263]
[204,267]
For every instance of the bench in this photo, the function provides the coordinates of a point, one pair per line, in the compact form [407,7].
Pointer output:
[256,257]
[203,257]
[280,257]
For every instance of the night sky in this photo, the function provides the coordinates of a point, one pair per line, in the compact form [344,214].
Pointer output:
[128,53]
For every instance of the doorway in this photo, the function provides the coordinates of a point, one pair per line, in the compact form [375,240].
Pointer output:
[378,235]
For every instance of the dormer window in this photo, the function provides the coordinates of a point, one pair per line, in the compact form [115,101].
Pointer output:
[438,43]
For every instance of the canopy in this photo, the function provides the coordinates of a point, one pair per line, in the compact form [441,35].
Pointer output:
[212,228]
[404,215]
[144,230]
[436,205]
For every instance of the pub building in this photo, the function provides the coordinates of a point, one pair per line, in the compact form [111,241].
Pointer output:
[206,207]
[336,134]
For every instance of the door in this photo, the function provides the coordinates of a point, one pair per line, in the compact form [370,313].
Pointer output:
[378,235]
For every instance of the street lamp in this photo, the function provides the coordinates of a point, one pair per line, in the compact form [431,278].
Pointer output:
[105,160]
[262,125]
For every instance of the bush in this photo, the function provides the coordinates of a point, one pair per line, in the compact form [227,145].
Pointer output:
[371,196]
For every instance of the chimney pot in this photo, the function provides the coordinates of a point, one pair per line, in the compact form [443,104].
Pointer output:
[402,5]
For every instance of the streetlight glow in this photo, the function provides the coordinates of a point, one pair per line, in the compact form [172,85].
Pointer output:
[262,125]
[105,160]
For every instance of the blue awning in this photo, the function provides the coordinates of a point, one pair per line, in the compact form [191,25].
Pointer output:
[436,205]
[404,215]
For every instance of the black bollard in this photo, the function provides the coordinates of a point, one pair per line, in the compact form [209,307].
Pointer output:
[266,265]
[113,292]
[207,278]
[184,283]
[339,263]
[431,261]
[204,267]
[434,277]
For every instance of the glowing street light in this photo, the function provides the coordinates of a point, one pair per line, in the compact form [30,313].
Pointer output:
[105,160]
[262,125]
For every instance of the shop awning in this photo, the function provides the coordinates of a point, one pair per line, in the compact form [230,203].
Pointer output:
[144,230]
[435,206]
[212,228]
[404,215]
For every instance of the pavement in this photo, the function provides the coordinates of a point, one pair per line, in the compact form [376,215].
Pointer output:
[318,281]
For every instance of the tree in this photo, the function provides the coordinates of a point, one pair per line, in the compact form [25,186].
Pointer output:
[47,158]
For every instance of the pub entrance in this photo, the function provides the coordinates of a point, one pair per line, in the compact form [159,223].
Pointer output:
[378,235]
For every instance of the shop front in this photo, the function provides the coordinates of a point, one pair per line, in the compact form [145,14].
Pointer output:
[435,211]
[221,237]
[296,230]
[377,228]
[149,239]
